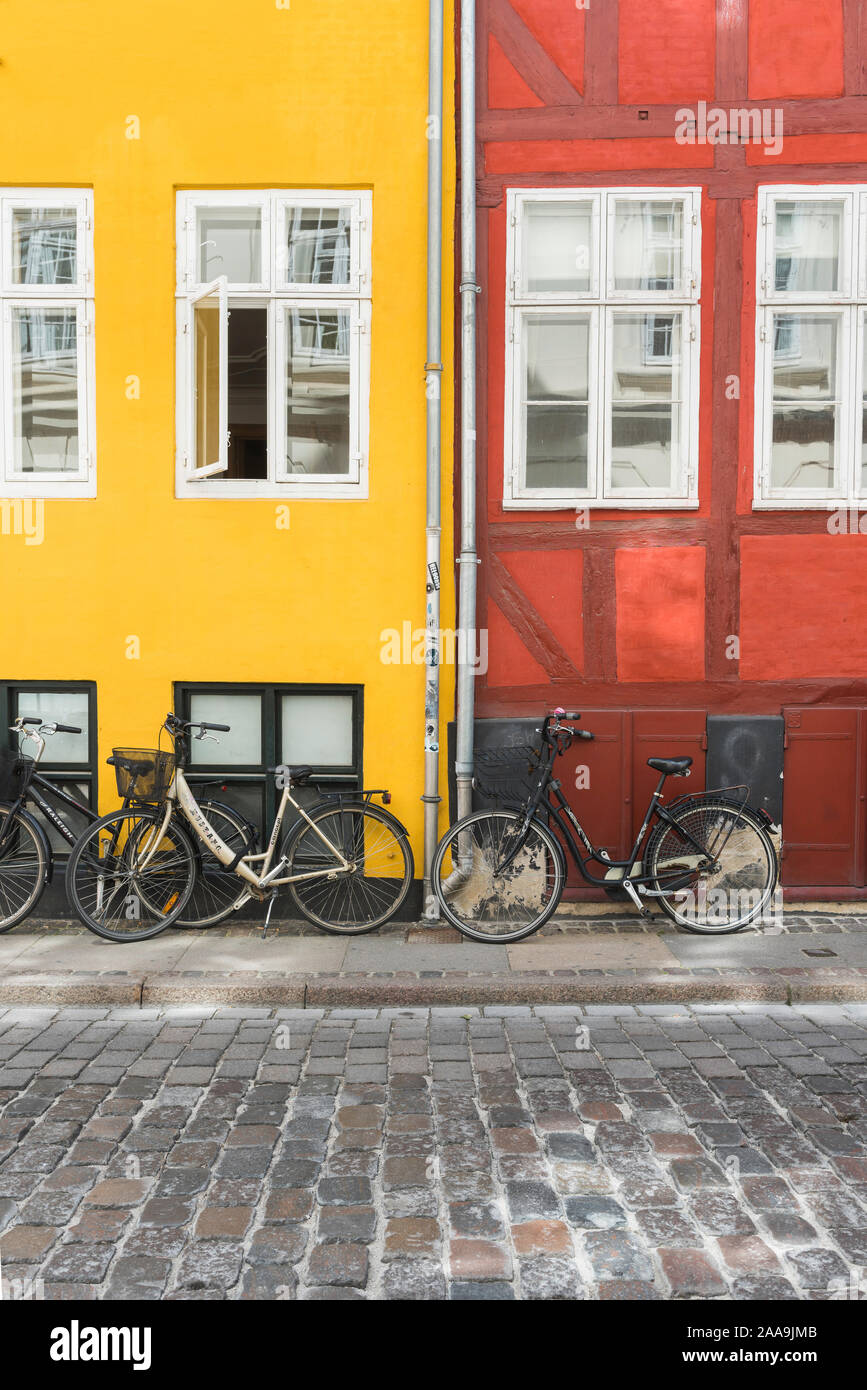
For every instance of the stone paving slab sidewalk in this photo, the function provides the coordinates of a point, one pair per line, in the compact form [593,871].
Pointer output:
[608,1153]
[818,958]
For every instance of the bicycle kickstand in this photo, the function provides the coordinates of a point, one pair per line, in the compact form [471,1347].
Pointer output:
[272,898]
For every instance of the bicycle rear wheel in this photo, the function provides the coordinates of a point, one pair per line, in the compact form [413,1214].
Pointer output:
[216,889]
[123,881]
[376,846]
[486,891]
[23,867]
[729,886]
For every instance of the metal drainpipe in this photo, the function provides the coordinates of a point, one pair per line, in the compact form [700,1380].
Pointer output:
[468,560]
[433,375]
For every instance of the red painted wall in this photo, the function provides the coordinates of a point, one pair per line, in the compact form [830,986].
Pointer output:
[666,51]
[660,613]
[796,48]
[804,606]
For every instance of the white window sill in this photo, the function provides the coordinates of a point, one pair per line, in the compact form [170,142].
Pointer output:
[48,492]
[580,504]
[809,504]
[237,490]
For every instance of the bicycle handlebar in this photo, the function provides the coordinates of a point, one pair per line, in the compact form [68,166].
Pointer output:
[175,725]
[557,734]
[48,728]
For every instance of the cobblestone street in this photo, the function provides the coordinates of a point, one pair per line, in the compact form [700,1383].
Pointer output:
[614,1152]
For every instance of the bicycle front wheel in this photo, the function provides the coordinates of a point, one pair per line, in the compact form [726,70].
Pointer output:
[723,889]
[124,881]
[490,884]
[376,847]
[23,867]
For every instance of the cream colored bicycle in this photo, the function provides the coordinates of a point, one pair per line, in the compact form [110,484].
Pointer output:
[347,863]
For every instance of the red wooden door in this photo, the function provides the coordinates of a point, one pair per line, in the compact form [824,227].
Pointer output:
[595,780]
[823,796]
[608,782]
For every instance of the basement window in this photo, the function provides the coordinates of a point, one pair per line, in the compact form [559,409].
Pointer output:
[273,344]
[273,724]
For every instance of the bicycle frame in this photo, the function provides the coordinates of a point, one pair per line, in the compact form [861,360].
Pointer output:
[268,877]
[48,811]
[572,832]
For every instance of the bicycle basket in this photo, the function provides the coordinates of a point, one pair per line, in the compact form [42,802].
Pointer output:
[138,784]
[10,767]
[510,772]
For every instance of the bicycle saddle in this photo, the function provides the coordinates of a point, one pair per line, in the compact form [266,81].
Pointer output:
[136,768]
[298,772]
[670,766]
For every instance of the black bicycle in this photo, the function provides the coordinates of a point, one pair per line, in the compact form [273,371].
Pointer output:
[499,874]
[26,858]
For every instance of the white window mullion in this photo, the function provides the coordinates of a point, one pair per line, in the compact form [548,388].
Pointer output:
[85,378]
[605,395]
[858,494]
[6,391]
[358,330]
[515,441]
[274,441]
[849,392]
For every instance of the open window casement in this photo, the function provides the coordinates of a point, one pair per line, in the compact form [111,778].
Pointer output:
[208,327]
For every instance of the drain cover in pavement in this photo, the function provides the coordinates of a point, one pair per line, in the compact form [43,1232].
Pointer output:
[820,951]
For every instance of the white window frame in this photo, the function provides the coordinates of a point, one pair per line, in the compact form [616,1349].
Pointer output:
[602,300]
[14,482]
[849,303]
[275,294]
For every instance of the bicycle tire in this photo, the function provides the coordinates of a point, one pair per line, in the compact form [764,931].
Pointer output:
[10,913]
[314,896]
[503,886]
[169,880]
[747,883]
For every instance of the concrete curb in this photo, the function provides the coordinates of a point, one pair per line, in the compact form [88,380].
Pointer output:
[437,988]
[108,988]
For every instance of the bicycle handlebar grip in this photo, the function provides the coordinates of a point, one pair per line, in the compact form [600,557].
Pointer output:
[584,733]
[30,719]
[67,729]
[221,728]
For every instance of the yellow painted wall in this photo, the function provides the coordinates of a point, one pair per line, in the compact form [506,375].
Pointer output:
[316,93]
